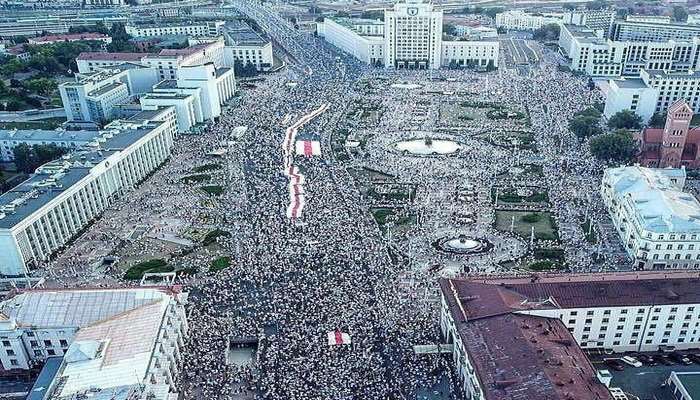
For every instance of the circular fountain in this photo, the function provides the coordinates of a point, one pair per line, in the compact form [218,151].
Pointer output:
[428,147]
[462,245]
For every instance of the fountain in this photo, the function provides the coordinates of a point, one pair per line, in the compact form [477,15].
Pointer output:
[428,147]
[462,245]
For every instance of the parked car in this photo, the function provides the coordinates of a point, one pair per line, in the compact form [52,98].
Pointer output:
[680,358]
[647,359]
[663,359]
[694,357]
[631,361]
[615,364]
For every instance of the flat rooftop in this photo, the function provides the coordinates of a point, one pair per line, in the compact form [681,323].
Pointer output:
[631,83]
[241,34]
[100,56]
[41,135]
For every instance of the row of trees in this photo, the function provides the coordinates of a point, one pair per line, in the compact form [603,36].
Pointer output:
[29,158]
[618,144]
[547,32]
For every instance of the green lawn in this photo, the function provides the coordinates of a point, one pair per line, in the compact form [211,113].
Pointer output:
[219,264]
[198,178]
[156,265]
[210,237]
[510,196]
[545,228]
[48,123]
[213,190]
[207,167]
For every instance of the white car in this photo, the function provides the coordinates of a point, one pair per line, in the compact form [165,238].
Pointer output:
[631,361]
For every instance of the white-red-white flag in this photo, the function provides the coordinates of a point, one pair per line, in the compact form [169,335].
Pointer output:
[308,148]
[338,338]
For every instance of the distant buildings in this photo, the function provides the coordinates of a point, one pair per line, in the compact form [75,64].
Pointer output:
[123,343]
[658,223]
[191,28]
[517,338]
[71,37]
[45,212]
[410,37]
[9,139]
[14,27]
[653,31]
[654,91]
[244,46]
[518,20]
[674,145]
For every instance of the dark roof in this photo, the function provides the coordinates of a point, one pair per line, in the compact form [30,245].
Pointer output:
[111,56]
[48,372]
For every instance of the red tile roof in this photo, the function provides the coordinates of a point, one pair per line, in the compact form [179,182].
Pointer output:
[111,56]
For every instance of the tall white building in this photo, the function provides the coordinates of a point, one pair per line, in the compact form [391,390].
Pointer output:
[118,341]
[658,223]
[522,337]
[410,37]
[656,31]
[246,47]
[93,95]
[46,211]
[654,91]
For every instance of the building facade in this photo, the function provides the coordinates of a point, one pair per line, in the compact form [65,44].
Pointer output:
[45,212]
[658,223]
[673,146]
[507,331]
[646,31]
[133,335]
[9,139]
[246,47]
[518,20]
[412,35]
[209,29]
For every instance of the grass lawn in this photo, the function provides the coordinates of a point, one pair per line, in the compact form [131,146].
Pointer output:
[207,167]
[510,196]
[219,264]
[591,236]
[210,237]
[381,215]
[213,190]
[156,265]
[545,229]
[198,178]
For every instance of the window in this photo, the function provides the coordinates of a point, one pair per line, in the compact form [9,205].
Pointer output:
[50,352]
[14,362]
[6,343]
[64,343]
[47,343]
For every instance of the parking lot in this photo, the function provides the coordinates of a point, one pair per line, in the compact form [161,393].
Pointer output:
[647,382]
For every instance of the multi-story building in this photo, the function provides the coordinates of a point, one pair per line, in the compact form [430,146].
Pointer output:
[54,24]
[9,139]
[134,336]
[72,37]
[653,91]
[410,37]
[518,20]
[595,56]
[95,61]
[522,337]
[658,223]
[674,145]
[46,211]
[646,31]
[245,46]
[92,96]
[104,3]
[191,28]
[598,20]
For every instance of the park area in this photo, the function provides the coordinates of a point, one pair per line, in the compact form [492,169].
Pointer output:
[522,223]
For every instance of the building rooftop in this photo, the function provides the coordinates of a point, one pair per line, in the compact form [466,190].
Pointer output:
[53,178]
[166,84]
[518,357]
[691,382]
[106,89]
[69,37]
[46,376]
[630,83]
[100,56]
[41,135]
[659,203]
[76,307]
[241,34]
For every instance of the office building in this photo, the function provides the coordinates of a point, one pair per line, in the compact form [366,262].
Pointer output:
[518,20]
[674,145]
[658,223]
[13,27]
[244,46]
[95,61]
[118,343]
[645,31]
[43,213]
[410,37]
[187,107]
[591,54]
[598,20]
[9,139]
[92,96]
[653,92]
[191,28]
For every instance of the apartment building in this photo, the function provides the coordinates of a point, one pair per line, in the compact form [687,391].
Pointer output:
[244,46]
[134,336]
[658,223]
[361,38]
[189,28]
[648,31]
[43,213]
[519,20]
[522,337]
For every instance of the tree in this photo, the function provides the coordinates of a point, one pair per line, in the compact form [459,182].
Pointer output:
[547,32]
[373,14]
[658,120]
[585,126]
[449,29]
[680,14]
[597,5]
[625,119]
[618,146]
[13,105]
[42,86]
[29,158]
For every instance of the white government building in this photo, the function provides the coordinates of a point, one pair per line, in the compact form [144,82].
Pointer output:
[120,343]
[409,37]
[653,91]
[191,28]
[658,223]
[519,20]
[245,46]
[42,214]
[522,337]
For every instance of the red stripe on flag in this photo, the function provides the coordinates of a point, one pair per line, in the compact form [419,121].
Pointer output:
[338,337]
[308,151]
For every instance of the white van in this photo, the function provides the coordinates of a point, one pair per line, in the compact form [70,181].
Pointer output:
[631,361]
